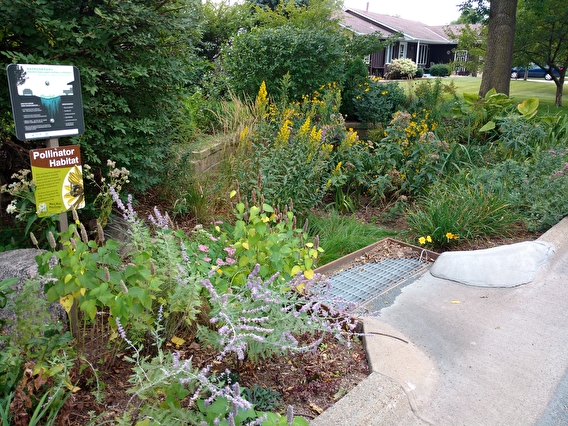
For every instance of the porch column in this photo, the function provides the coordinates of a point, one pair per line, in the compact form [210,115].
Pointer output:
[417,53]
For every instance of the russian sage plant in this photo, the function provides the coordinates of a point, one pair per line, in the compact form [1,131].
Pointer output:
[260,319]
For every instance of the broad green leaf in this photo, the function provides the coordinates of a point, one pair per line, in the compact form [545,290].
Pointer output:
[490,125]
[529,107]
[471,98]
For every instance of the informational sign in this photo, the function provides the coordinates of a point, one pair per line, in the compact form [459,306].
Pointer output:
[46,101]
[58,175]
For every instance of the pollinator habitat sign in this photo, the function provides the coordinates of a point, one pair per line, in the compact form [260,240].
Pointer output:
[58,175]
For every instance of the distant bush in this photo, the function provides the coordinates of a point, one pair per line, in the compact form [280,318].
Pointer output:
[268,54]
[419,73]
[440,70]
[401,68]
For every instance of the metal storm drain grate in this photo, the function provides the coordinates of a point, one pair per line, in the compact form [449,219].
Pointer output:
[361,284]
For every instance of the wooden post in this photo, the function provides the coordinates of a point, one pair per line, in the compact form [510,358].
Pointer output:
[64,226]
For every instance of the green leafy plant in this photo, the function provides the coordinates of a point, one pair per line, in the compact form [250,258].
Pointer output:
[23,207]
[263,399]
[411,153]
[532,186]
[266,236]
[520,138]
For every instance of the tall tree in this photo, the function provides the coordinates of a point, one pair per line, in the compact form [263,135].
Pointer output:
[542,37]
[500,41]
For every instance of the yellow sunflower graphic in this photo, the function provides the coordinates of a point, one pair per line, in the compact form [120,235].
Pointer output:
[73,190]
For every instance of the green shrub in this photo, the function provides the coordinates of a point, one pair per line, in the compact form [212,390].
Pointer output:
[401,68]
[520,138]
[419,72]
[534,188]
[131,72]
[440,70]
[312,58]
[356,77]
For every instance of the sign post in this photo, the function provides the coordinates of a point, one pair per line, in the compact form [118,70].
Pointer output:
[47,104]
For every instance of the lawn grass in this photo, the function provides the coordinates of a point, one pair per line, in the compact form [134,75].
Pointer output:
[520,90]
[341,234]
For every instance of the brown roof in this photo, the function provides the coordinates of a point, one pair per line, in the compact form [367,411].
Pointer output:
[363,22]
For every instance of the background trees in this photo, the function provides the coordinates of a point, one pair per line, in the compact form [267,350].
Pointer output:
[542,37]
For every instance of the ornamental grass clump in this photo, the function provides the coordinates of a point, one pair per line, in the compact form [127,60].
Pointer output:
[460,210]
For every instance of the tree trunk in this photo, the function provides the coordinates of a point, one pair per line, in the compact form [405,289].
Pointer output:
[500,40]
[559,88]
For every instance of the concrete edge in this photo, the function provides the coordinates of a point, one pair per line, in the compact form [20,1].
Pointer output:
[557,236]
[377,400]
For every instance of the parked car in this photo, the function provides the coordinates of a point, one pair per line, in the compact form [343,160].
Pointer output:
[534,72]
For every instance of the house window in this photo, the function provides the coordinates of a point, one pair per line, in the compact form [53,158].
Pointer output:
[423,55]
[402,50]
[460,56]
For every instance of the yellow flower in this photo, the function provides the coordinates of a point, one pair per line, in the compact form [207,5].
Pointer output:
[422,240]
[315,136]
[262,97]
[429,238]
[305,127]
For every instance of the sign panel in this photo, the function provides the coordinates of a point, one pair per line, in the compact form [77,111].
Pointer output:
[46,101]
[58,175]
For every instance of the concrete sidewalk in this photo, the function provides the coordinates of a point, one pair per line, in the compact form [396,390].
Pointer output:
[448,353]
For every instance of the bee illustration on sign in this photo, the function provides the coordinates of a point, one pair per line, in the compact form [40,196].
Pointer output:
[73,189]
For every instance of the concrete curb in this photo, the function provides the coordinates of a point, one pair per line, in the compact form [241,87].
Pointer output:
[377,400]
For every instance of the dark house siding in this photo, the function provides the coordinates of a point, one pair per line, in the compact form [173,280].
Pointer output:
[441,54]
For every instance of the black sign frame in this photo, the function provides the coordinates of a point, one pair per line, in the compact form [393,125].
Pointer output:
[54,110]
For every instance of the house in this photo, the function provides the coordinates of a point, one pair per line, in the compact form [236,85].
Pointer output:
[425,45]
